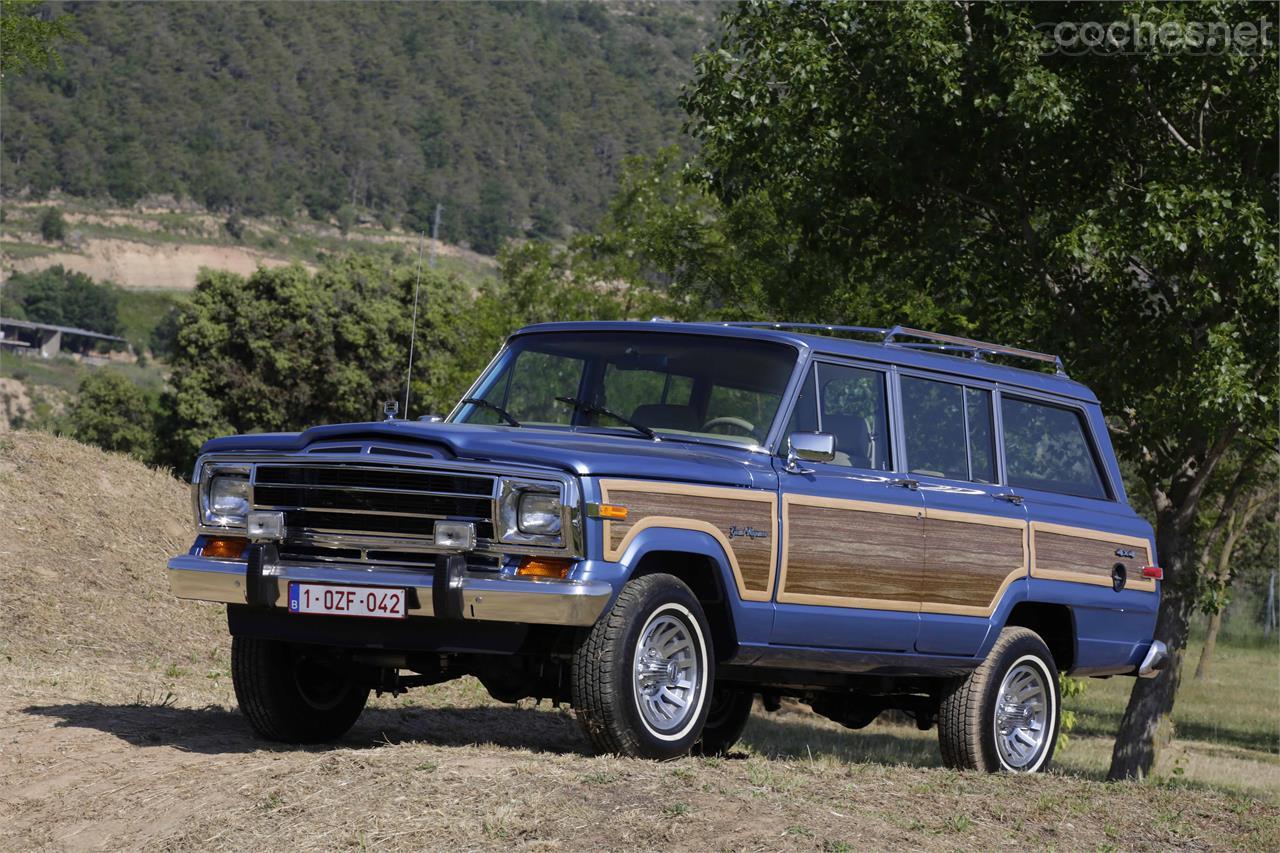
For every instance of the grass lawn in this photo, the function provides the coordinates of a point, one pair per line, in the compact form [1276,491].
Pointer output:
[1227,730]
[67,373]
[142,310]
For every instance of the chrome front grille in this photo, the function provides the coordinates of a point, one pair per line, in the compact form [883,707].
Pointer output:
[348,504]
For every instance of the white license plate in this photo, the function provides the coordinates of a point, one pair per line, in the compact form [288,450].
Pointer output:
[375,601]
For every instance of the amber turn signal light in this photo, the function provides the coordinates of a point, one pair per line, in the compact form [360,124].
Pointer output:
[229,548]
[1154,573]
[542,567]
[612,512]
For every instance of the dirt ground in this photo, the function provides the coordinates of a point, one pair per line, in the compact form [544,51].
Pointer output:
[118,730]
[146,265]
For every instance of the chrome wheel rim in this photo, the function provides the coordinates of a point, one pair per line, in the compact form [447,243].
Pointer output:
[667,673]
[1022,717]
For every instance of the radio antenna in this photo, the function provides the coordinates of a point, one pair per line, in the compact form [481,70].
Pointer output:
[413,332]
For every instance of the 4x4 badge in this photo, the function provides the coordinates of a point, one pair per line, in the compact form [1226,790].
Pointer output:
[751,532]
[1126,553]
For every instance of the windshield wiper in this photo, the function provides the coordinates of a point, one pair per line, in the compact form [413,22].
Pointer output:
[597,410]
[493,407]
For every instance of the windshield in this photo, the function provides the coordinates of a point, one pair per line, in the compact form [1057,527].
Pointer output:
[727,389]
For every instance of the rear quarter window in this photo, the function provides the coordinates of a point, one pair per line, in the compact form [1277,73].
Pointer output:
[1047,448]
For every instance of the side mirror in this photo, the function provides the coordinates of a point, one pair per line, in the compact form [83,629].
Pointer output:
[809,447]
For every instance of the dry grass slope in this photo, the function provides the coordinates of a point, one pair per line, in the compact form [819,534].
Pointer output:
[118,731]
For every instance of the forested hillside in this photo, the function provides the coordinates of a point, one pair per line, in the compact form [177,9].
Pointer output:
[516,116]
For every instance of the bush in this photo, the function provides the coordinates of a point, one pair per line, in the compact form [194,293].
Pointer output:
[234,226]
[164,337]
[114,414]
[52,226]
[346,217]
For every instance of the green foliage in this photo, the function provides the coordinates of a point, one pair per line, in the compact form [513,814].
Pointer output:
[286,350]
[27,37]
[53,227]
[515,116]
[234,226]
[935,164]
[163,340]
[114,414]
[1069,689]
[346,216]
[148,318]
[926,163]
[65,298]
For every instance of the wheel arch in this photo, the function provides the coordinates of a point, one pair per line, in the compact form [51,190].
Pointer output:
[700,562]
[1056,625]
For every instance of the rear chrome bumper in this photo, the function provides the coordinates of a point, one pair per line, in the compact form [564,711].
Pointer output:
[1155,661]
[486,597]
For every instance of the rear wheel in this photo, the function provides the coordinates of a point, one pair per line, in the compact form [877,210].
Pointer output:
[726,719]
[1005,715]
[292,693]
[642,675]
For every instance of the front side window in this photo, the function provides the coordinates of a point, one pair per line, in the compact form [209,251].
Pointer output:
[727,389]
[849,403]
[947,429]
[1047,448]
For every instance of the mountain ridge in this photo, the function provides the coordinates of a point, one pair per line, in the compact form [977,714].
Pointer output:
[515,116]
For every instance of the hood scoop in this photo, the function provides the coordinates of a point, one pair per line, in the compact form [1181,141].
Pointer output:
[418,450]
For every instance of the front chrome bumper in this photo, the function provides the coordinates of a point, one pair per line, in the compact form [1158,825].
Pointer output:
[1155,661]
[485,597]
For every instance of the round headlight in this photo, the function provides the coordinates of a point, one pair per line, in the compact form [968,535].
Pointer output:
[228,499]
[539,513]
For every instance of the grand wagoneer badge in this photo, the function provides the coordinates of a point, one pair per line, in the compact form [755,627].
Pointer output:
[750,532]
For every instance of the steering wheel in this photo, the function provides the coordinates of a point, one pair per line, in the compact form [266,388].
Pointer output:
[737,423]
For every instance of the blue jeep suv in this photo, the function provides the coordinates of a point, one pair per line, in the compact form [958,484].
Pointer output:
[655,522]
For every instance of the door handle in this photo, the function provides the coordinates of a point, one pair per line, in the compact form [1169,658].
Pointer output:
[905,482]
[1016,500]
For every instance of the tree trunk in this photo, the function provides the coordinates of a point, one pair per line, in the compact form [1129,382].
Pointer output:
[1146,727]
[1210,641]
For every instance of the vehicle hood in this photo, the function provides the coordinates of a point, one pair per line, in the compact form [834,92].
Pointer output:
[585,454]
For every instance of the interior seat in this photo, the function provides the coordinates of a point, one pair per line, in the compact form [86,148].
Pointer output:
[852,437]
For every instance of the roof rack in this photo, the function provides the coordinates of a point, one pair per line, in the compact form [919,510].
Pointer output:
[938,342]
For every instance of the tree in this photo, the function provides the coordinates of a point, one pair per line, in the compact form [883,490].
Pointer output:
[285,349]
[935,163]
[272,109]
[114,414]
[1242,513]
[53,228]
[66,298]
[27,38]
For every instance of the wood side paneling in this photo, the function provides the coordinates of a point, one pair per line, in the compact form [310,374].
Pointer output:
[852,557]
[717,511]
[1086,556]
[969,563]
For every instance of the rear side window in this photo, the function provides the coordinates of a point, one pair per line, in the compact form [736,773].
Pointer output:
[947,429]
[1047,448]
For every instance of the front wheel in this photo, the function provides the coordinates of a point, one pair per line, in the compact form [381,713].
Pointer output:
[1005,715]
[643,674]
[292,693]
